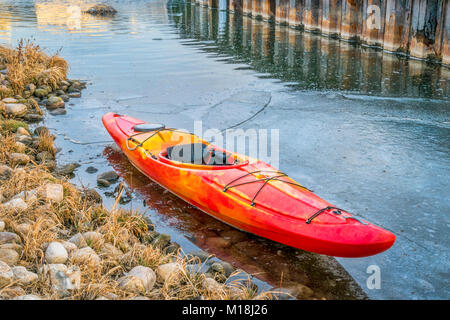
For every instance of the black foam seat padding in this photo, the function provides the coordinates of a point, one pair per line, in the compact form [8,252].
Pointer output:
[197,153]
[147,127]
[187,153]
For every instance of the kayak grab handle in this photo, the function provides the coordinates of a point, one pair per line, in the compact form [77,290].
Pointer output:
[128,146]
[357,219]
[308,221]
[337,211]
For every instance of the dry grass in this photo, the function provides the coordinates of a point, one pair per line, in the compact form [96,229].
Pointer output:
[46,142]
[11,126]
[34,105]
[27,63]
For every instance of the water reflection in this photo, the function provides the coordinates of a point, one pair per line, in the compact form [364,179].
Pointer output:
[5,23]
[268,261]
[308,61]
[304,61]
[68,15]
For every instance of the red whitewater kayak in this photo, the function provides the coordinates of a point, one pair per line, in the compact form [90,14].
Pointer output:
[243,192]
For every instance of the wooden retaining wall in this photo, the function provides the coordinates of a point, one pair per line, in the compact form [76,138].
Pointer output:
[418,28]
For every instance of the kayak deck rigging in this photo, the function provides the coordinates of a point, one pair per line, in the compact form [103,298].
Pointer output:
[266,180]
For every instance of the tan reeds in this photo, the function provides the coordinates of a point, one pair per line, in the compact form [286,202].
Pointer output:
[27,63]
[46,142]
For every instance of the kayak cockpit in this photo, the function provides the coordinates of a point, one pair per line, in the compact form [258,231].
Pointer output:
[200,153]
[200,156]
[179,148]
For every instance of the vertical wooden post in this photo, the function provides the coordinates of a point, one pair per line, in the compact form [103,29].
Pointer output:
[446,36]
[331,17]
[312,15]
[396,30]
[281,11]
[425,28]
[268,9]
[247,7]
[295,13]
[351,20]
[374,12]
[441,27]
[257,8]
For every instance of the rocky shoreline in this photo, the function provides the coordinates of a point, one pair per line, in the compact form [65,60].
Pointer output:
[58,241]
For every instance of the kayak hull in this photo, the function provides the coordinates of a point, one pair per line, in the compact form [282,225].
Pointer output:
[279,212]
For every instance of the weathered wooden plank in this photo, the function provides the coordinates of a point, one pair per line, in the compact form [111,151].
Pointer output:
[397,25]
[257,8]
[441,26]
[425,25]
[312,15]
[331,17]
[295,13]
[446,37]
[373,17]
[351,25]
[247,7]
[281,11]
[268,9]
